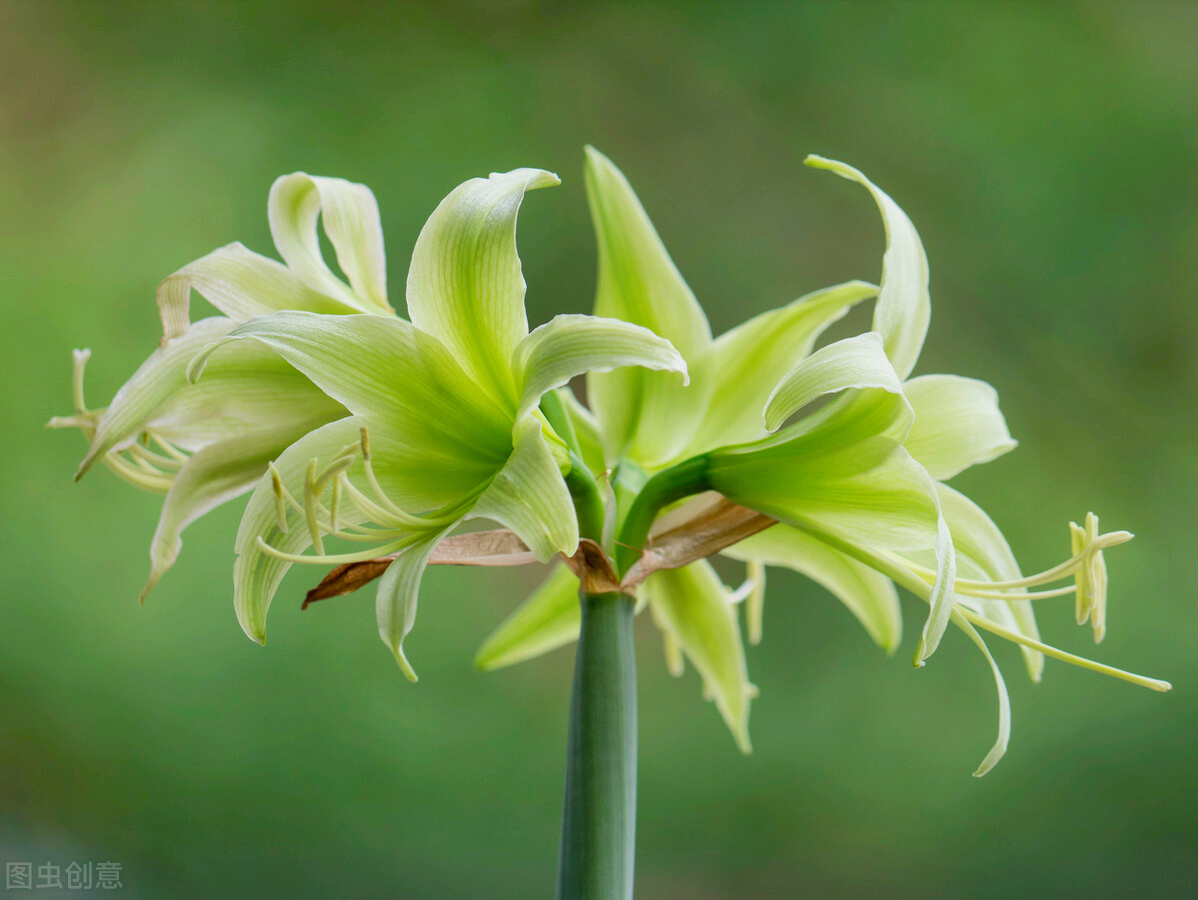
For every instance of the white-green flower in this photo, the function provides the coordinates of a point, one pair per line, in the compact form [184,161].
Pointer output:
[444,422]
[204,444]
[839,446]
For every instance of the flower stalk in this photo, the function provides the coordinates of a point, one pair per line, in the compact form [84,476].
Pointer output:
[599,817]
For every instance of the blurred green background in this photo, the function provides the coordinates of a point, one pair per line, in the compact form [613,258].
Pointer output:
[1045,151]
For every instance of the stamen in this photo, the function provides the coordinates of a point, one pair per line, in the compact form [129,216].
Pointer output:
[1091,578]
[169,448]
[153,481]
[280,506]
[755,605]
[337,559]
[1048,650]
[335,503]
[1030,595]
[139,451]
[80,357]
[358,533]
[399,515]
[741,593]
[1069,567]
[310,500]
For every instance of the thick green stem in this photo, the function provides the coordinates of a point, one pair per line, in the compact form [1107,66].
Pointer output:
[599,821]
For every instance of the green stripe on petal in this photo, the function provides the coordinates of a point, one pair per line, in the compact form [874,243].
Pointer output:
[644,414]
[248,387]
[866,593]
[388,371]
[351,220]
[957,424]
[692,605]
[241,284]
[745,364]
[465,285]
[904,306]
[529,495]
[398,591]
[571,345]
[548,619]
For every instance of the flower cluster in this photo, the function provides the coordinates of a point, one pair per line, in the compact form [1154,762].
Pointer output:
[352,425]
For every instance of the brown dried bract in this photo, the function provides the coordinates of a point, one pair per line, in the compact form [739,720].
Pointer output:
[717,524]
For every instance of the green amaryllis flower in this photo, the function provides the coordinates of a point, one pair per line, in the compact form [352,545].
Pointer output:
[848,492]
[444,423]
[204,444]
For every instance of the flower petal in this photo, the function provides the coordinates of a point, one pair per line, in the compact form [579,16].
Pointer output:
[692,604]
[155,381]
[241,284]
[904,307]
[398,590]
[890,503]
[248,387]
[1004,700]
[256,575]
[957,424]
[571,345]
[548,619]
[214,475]
[983,553]
[465,286]
[529,496]
[639,283]
[868,595]
[393,375]
[854,363]
[351,221]
[745,364]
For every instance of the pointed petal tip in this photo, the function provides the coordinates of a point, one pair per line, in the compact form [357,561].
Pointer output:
[404,665]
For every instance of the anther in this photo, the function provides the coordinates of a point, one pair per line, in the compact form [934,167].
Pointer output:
[276,481]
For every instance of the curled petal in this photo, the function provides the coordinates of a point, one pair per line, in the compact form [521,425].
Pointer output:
[351,221]
[398,590]
[904,306]
[1004,700]
[571,345]
[529,496]
[465,285]
[241,284]
[852,364]
[744,365]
